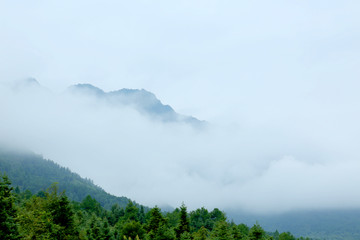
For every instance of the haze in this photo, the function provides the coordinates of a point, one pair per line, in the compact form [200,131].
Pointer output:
[276,80]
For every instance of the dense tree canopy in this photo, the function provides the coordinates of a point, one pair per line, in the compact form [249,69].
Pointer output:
[50,215]
[8,225]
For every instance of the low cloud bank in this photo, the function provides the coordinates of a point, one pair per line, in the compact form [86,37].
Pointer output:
[259,168]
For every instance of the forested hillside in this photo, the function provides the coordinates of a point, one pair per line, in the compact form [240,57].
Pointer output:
[331,224]
[50,215]
[32,172]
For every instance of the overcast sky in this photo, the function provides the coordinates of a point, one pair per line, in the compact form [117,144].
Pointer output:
[277,80]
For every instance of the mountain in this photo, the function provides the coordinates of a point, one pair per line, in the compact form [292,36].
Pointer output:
[141,100]
[32,172]
[329,224]
[28,84]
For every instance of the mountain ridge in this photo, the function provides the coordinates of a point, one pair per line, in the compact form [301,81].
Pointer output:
[30,171]
[141,100]
[145,102]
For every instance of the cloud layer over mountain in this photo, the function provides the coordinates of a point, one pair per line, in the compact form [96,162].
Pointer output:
[127,153]
[277,81]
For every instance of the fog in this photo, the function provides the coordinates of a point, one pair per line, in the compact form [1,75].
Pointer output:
[277,82]
[256,168]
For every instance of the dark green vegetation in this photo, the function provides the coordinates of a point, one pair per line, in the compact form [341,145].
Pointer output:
[34,173]
[50,215]
[318,224]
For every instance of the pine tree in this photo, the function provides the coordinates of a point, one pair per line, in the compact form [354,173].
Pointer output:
[157,226]
[62,214]
[94,232]
[36,220]
[142,215]
[184,224]
[131,212]
[8,225]
[106,235]
[132,229]
[201,234]
[256,233]
[156,219]
[221,231]
[90,205]
[286,236]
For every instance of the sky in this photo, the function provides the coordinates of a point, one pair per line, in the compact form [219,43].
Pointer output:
[277,81]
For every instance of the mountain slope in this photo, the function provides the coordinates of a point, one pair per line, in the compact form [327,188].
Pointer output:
[32,172]
[328,224]
[141,100]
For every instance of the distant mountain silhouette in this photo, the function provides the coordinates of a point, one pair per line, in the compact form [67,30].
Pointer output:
[26,84]
[141,100]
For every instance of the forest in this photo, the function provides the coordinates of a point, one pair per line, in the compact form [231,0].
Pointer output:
[30,171]
[51,215]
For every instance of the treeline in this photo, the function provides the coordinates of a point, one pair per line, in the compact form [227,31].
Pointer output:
[50,215]
[32,172]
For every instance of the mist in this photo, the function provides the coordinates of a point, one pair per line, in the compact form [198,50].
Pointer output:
[254,168]
[277,82]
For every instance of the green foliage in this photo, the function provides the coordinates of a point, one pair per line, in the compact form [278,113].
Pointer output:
[340,224]
[115,214]
[185,236]
[221,231]
[106,233]
[202,217]
[49,217]
[61,211]
[90,205]
[94,230]
[157,228]
[286,236]
[35,221]
[173,217]
[155,221]
[256,233]
[32,172]
[201,234]
[131,212]
[8,225]
[198,218]
[132,229]
[235,232]
[50,214]
[184,224]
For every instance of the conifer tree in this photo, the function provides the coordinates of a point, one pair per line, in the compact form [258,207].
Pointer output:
[157,227]
[131,212]
[221,231]
[201,234]
[62,214]
[184,224]
[156,219]
[256,232]
[8,225]
[106,235]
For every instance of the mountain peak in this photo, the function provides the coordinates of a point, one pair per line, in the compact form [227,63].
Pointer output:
[30,85]
[86,88]
[31,81]
[27,83]
[145,102]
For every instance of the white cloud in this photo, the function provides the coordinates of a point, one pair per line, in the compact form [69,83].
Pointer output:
[274,78]
[155,163]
